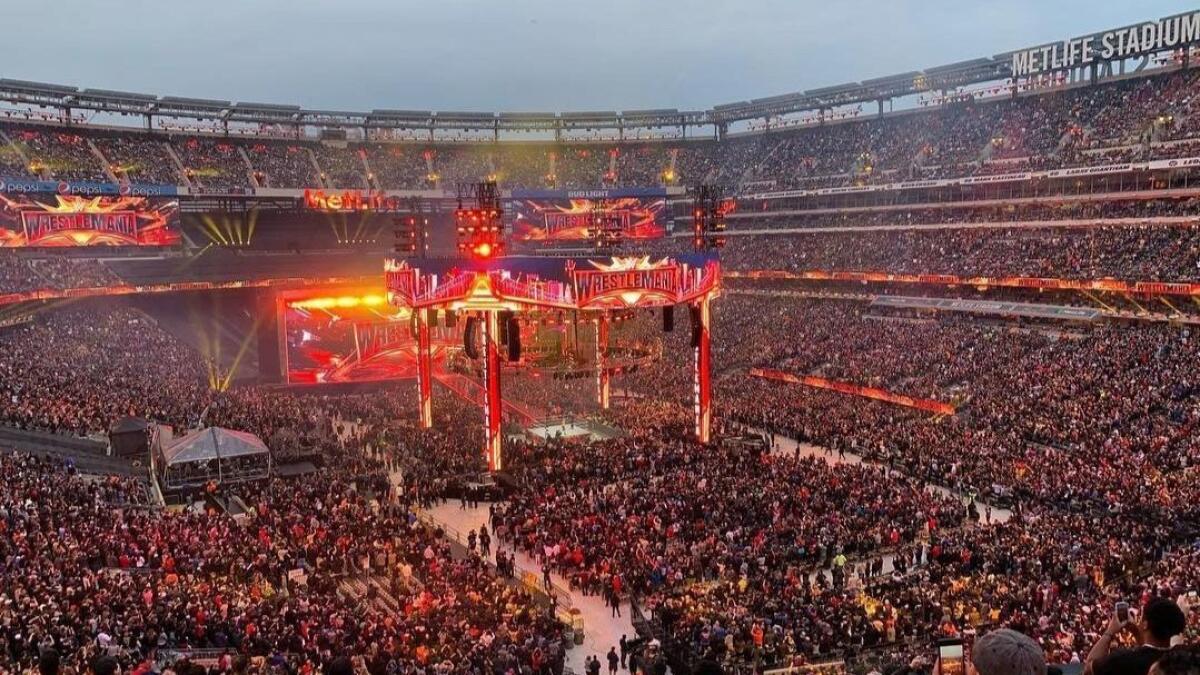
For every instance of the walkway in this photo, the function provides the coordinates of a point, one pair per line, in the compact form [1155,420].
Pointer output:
[601,630]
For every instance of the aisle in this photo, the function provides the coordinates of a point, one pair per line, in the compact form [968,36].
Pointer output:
[601,630]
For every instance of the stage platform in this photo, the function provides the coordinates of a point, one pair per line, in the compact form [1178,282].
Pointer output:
[582,429]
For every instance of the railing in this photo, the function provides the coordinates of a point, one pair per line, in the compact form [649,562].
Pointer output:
[202,657]
[838,666]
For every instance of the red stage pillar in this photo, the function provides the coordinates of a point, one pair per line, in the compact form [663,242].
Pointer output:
[491,395]
[424,369]
[603,377]
[703,373]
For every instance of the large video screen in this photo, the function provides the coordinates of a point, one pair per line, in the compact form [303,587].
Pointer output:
[536,219]
[348,338]
[73,220]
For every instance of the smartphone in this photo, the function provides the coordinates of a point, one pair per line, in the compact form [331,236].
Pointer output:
[952,658]
[1123,612]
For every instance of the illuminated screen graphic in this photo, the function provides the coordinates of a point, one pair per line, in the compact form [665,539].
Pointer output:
[565,219]
[70,220]
[351,338]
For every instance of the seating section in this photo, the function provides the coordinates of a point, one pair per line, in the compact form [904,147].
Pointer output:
[1132,119]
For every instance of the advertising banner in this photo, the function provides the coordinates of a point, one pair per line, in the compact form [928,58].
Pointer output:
[86,188]
[71,220]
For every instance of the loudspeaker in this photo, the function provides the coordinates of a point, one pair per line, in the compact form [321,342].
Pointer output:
[451,319]
[469,337]
[130,437]
[271,363]
[412,324]
[431,319]
[514,339]
[504,322]
[694,313]
[668,318]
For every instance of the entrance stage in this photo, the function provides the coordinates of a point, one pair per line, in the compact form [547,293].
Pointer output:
[570,428]
[487,294]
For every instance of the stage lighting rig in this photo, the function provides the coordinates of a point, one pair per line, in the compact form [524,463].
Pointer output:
[406,235]
[410,231]
[709,207]
[479,221]
[606,229]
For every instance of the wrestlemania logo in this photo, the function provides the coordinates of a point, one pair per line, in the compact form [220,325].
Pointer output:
[627,281]
[86,221]
[635,218]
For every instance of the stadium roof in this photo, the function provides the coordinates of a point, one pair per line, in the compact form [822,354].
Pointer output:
[972,71]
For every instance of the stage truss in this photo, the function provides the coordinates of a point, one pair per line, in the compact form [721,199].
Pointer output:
[591,287]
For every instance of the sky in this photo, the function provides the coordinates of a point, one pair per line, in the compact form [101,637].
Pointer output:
[522,55]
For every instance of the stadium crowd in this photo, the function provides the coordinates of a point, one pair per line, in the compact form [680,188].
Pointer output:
[20,272]
[1041,419]
[87,574]
[1133,119]
[767,556]
[1026,212]
[1130,252]
[871,539]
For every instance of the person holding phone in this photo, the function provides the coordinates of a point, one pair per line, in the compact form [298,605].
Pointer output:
[950,658]
[1154,628]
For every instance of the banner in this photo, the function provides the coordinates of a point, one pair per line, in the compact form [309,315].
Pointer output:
[1001,308]
[651,280]
[1072,172]
[1091,170]
[353,200]
[233,191]
[71,220]
[1141,39]
[602,193]
[560,283]
[928,405]
[86,188]
[1184,163]
[556,219]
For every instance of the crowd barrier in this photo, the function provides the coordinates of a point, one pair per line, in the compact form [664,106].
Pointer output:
[925,404]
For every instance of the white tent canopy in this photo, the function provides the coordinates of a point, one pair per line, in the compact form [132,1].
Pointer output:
[214,453]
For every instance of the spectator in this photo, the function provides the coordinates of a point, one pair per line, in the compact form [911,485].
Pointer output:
[1007,652]
[1160,621]
[1180,660]
[48,662]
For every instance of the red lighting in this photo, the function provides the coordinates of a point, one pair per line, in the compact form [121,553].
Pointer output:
[482,250]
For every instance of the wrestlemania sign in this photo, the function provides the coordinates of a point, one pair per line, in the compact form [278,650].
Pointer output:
[571,214]
[557,283]
[73,220]
[629,280]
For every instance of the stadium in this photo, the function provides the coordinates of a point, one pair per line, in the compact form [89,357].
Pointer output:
[893,376]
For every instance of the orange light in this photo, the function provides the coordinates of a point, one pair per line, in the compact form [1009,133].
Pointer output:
[340,302]
[483,250]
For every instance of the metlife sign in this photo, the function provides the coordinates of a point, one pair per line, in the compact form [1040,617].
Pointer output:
[1138,40]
